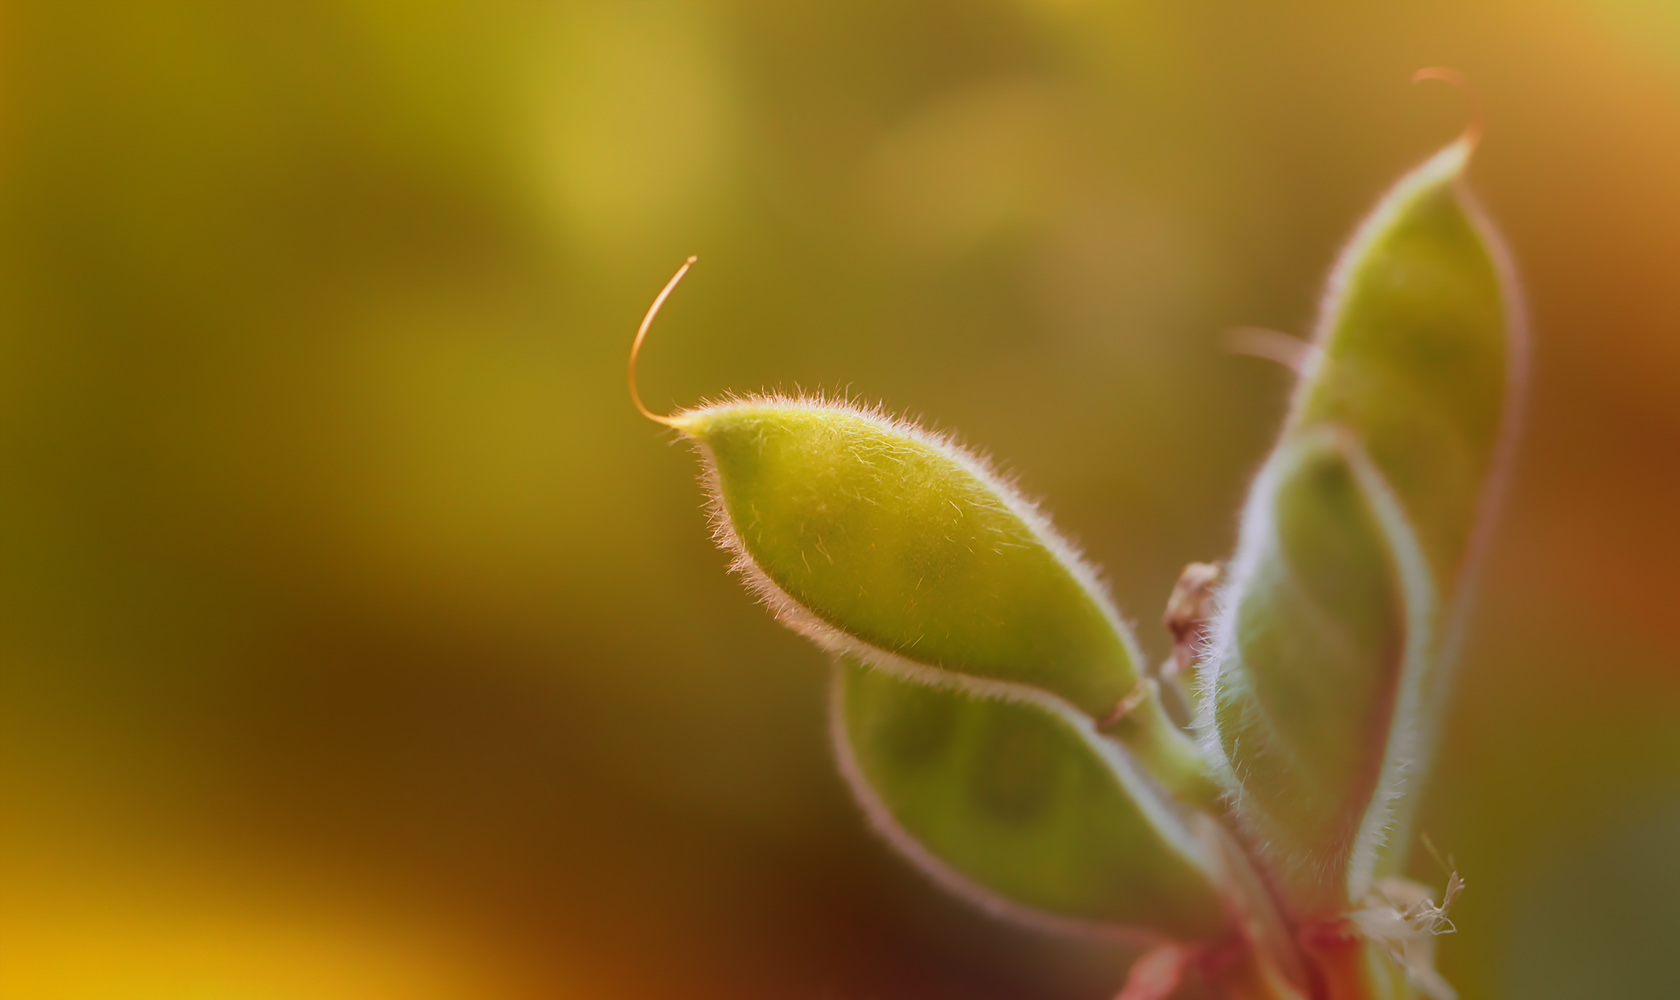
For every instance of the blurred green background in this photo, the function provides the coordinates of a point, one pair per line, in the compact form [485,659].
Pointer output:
[359,640]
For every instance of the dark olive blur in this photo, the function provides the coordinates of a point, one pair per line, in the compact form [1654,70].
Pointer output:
[361,641]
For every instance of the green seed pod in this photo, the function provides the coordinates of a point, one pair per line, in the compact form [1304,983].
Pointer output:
[1331,620]
[1347,598]
[1422,354]
[1024,809]
[884,542]
[879,540]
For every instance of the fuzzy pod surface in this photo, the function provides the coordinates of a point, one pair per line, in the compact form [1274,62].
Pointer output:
[1024,809]
[885,542]
[1335,620]
[1328,666]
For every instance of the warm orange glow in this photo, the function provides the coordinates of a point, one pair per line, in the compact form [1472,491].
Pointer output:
[329,661]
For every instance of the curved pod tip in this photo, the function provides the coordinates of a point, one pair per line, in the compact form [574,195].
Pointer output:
[676,421]
[1473,127]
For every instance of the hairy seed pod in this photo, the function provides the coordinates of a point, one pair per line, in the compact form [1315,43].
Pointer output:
[989,710]
[884,542]
[1334,618]
[1023,808]
[1330,660]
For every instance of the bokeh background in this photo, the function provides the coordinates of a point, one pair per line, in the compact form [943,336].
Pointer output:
[360,641]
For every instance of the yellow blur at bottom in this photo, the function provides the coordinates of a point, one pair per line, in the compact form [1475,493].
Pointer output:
[73,933]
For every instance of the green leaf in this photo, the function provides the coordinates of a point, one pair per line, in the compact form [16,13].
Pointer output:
[882,541]
[1348,594]
[1023,808]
